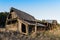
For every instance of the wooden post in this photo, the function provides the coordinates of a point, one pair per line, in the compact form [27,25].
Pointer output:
[36,27]
[26,29]
[19,26]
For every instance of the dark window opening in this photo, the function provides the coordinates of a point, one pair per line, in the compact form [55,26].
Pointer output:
[14,21]
[39,28]
[23,28]
[31,29]
[44,24]
[11,22]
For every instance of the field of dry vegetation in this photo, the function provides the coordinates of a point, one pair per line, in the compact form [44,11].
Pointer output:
[45,35]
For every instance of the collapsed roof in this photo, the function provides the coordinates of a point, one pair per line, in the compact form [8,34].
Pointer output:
[22,15]
[25,16]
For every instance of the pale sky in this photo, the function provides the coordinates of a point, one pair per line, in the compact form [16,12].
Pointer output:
[40,9]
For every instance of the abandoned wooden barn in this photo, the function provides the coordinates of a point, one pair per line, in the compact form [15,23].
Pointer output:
[25,23]
[18,20]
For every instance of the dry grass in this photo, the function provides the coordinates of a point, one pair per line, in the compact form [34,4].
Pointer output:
[45,35]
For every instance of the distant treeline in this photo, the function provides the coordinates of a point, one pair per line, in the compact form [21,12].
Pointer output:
[3,16]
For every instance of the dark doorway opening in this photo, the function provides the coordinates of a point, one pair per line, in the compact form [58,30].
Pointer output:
[23,28]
